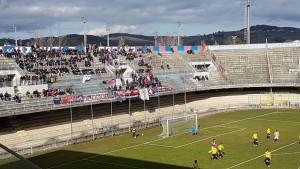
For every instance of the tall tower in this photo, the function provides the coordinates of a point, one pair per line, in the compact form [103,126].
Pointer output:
[178,35]
[84,20]
[247,22]
[15,28]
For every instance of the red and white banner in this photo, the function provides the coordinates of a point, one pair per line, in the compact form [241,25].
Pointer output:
[92,97]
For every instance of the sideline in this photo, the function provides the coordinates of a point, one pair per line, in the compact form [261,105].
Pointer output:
[261,155]
[125,148]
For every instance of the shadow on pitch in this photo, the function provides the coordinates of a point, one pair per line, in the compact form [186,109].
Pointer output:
[65,159]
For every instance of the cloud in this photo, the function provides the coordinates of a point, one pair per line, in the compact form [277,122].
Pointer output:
[3,4]
[113,29]
[141,16]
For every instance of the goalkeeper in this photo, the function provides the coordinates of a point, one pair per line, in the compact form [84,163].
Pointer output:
[194,132]
[133,131]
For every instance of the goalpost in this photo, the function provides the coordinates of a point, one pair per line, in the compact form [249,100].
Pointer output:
[178,124]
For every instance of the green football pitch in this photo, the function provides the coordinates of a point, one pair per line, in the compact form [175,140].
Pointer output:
[179,151]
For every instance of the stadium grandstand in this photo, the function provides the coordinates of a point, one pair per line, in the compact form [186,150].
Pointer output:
[52,97]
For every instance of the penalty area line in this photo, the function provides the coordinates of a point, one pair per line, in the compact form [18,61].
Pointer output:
[210,137]
[156,140]
[160,145]
[283,121]
[285,154]
[260,156]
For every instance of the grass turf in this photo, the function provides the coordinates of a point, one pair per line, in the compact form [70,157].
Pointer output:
[234,129]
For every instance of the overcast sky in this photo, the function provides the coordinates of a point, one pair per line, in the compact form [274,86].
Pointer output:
[148,17]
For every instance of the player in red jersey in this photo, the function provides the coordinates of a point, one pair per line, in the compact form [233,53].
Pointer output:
[213,143]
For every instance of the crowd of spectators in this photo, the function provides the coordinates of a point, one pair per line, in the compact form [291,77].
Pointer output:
[5,96]
[51,92]
[201,78]
[33,79]
[6,80]
[100,70]
[190,51]
[55,62]
[42,64]
[140,79]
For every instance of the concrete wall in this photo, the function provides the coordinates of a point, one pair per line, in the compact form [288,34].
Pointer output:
[31,88]
[9,90]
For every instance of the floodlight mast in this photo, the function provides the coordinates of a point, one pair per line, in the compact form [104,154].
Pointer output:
[84,20]
[15,27]
[107,30]
[178,37]
[248,20]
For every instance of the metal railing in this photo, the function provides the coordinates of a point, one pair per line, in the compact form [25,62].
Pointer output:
[55,138]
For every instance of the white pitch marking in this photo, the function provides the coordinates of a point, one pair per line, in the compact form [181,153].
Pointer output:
[260,155]
[157,140]
[160,145]
[211,137]
[278,121]
[285,153]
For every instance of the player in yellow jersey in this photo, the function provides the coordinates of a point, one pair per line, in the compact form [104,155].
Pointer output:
[221,150]
[255,139]
[214,153]
[268,158]
[268,133]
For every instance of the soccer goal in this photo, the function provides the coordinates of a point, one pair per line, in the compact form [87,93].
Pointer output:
[178,124]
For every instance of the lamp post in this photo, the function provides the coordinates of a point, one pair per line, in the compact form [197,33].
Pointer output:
[145,113]
[107,30]
[111,116]
[129,111]
[178,36]
[185,96]
[15,27]
[71,122]
[248,21]
[84,20]
[173,104]
[92,115]
[158,99]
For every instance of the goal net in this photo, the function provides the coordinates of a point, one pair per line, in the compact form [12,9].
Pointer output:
[178,124]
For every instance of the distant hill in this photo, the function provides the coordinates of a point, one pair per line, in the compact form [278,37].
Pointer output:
[259,34]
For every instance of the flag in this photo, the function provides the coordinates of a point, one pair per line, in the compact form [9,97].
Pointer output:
[144,95]
[119,99]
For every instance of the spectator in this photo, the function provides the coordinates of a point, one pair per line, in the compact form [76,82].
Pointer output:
[168,66]
[6,96]
[36,93]
[115,88]
[17,99]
